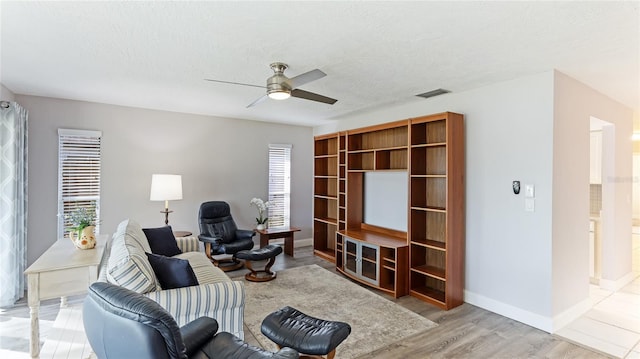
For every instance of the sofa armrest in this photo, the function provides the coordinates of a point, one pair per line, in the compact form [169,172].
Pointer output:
[223,301]
[188,244]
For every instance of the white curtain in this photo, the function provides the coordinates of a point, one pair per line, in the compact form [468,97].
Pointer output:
[13,201]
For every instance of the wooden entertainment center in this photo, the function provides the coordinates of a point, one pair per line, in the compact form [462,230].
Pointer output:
[425,258]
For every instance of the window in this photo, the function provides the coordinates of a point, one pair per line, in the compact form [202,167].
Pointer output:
[78,174]
[279,185]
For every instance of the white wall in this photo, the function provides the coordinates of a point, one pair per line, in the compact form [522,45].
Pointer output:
[218,158]
[509,136]
[636,128]
[575,103]
[531,266]
[6,94]
[636,171]
[636,187]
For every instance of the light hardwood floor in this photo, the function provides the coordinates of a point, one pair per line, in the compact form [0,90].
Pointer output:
[463,332]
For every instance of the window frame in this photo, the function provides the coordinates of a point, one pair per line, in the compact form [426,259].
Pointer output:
[280,185]
[93,147]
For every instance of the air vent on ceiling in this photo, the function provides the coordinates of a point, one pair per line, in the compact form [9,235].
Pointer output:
[433,93]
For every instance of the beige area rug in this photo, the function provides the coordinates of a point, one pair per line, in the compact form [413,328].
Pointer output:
[375,322]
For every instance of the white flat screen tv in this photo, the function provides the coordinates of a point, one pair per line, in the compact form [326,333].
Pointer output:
[385,199]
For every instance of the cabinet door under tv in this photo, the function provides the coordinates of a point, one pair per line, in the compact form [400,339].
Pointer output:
[376,259]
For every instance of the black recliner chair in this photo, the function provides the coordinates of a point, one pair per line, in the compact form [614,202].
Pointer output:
[220,234]
[120,323]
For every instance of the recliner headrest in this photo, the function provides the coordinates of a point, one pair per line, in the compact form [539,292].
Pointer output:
[214,209]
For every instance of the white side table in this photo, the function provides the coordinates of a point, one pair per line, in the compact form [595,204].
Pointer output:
[61,271]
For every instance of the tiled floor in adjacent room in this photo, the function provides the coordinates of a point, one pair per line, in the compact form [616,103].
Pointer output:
[612,326]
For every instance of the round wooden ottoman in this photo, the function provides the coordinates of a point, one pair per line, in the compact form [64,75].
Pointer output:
[289,327]
[269,252]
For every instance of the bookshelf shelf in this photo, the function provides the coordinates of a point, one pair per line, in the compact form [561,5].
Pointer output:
[437,209]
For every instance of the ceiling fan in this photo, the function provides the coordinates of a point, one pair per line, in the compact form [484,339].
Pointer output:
[280,87]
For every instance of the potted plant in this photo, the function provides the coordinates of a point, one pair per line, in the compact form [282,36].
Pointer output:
[262,207]
[82,231]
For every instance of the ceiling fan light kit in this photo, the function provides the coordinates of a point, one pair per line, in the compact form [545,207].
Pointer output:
[277,85]
[280,87]
[279,95]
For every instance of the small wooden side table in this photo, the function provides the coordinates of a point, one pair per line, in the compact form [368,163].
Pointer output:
[61,271]
[273,233]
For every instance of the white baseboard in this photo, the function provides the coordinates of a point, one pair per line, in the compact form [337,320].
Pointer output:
[509,311]
[297,243]
[571,314]
[615,285]
[302,242]
[550,325]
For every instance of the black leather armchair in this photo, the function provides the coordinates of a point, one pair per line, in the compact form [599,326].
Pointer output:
[120,323]
[220,234]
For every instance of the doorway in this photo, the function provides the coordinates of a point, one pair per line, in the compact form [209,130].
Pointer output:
[612,325]
[599,161]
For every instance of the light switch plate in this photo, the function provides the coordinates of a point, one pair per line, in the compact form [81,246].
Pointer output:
[529,204]
[529,191]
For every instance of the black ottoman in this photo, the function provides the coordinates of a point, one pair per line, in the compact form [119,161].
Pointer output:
[269,252]
[289,327]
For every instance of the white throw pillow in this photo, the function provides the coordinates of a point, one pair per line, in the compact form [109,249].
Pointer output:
[128,265]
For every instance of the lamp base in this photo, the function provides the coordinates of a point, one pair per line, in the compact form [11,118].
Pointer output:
[166,216]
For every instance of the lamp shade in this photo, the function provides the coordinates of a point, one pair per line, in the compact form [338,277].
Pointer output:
[166,187]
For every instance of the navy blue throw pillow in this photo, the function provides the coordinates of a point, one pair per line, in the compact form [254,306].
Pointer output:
[172,272]
[162,241]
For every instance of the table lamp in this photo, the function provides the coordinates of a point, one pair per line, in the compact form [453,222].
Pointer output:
[166,188]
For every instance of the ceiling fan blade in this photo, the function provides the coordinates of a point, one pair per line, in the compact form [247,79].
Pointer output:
[312,96]
[258,101]
[235,83]
[305,78]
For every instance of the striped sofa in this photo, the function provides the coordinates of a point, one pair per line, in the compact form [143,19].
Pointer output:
[125,263]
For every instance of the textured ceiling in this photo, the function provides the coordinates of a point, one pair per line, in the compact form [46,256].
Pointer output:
[156,54]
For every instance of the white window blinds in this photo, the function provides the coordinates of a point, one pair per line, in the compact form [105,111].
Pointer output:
[279,185]
[78,174]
